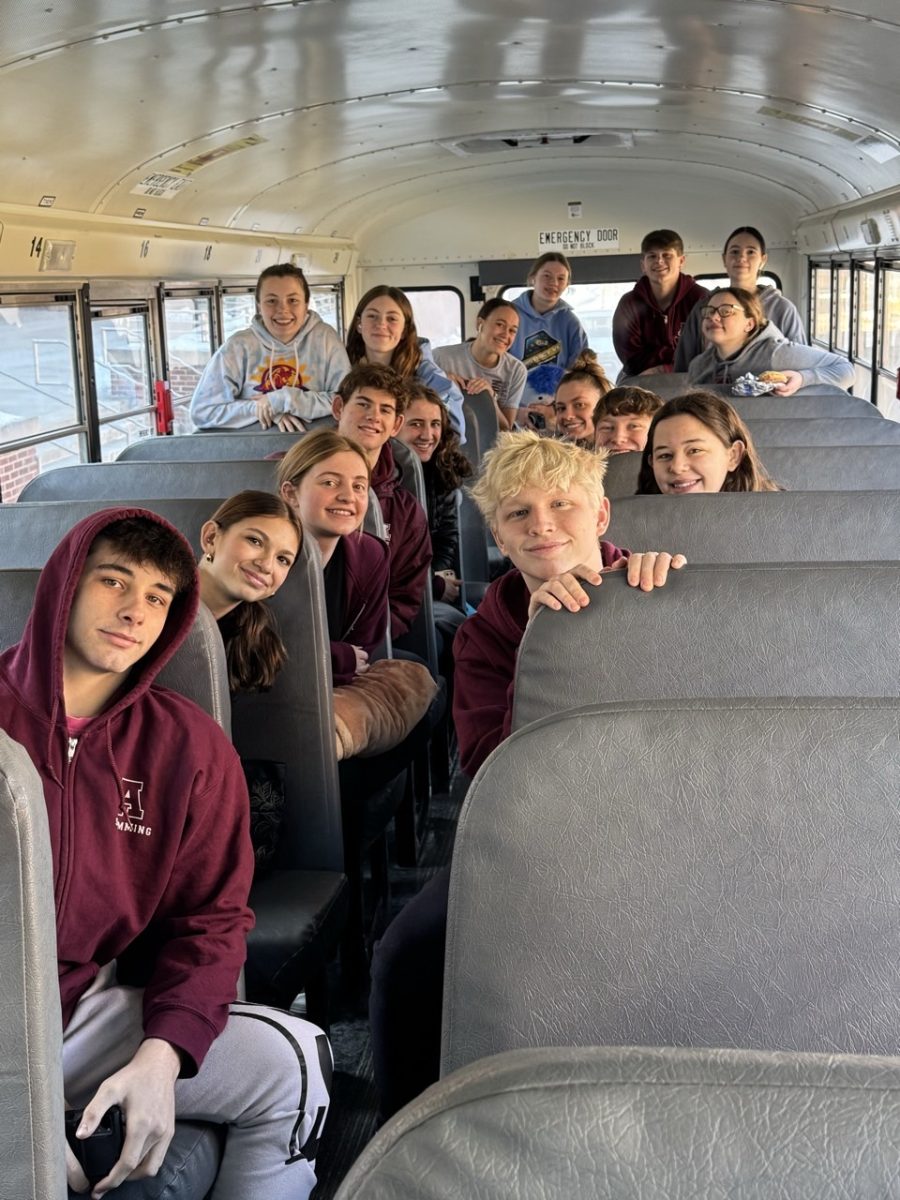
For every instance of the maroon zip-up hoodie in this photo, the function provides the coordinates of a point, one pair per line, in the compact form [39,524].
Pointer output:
[408,541]
[646,336]
[484,652]
[148,816]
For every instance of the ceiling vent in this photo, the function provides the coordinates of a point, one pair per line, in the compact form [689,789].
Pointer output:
[497,143]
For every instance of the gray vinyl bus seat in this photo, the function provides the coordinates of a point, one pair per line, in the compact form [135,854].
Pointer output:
[300,905]
[782,629]
[821,405]
[820,431]
[797,468]
[481,414]
[421,638]
[31,1080]
[474,536]
[717,873]
[197,671]
[762,527]
[471,447]
[599,1121]
[206,447]
[673,384]
[30,531]
[134,481]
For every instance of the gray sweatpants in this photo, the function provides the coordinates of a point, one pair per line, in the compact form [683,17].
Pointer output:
[266,1076]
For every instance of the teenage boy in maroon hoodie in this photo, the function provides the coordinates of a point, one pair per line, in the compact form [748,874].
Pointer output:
[369,408]
[148,817]
[647,322]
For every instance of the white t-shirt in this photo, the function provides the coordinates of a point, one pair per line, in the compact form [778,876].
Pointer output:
[507,378]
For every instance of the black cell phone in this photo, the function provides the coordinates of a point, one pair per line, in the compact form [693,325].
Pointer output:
[537,420]
[98,1154]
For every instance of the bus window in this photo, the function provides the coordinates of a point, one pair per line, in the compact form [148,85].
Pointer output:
[717,281]
[594,305]
[189,347]
[41,392]
[842,309]
[889,340]
[326,300]
[438,314]
[122,374]
[864,327]
[238,310]
[821,305]
[19,465]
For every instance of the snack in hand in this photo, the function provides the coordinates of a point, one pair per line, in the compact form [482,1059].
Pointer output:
[773,377]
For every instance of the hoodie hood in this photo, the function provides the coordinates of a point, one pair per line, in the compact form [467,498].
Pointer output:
[685,284]
[34,667]
[385,474]
[754,357]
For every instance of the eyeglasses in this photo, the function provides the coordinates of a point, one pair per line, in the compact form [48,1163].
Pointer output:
[723,310]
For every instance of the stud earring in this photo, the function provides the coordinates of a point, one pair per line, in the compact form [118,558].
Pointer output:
[209,558]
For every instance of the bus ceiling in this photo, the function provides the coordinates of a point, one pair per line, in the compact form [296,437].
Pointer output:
[209,139]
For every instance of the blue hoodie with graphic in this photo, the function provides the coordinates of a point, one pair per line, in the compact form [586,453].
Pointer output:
[551,339]
[298,377]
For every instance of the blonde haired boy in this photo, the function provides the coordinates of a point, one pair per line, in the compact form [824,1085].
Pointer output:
[544,502]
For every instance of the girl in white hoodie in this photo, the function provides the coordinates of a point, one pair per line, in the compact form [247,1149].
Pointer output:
[280,372]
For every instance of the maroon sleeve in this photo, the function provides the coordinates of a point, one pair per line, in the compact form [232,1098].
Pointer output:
[410,547]
[610,554]
[343,663]
[482,695]
[371,562]
[203,917]
[628,337]
[371,629]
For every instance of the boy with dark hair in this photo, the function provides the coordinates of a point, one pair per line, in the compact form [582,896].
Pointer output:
[648,319]
[622,419]
[148,817]
[369,408]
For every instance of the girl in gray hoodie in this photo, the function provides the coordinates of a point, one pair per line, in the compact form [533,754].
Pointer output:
[742,341]
[280,372]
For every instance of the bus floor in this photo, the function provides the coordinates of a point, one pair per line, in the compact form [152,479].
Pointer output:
[351,1120]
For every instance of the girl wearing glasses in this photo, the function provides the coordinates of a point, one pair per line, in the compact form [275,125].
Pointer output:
[744,258]
[741,340]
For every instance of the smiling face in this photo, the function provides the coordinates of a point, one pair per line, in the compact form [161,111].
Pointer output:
[370,418]
[662,268]
[688,458]
[332,497]
[496,332]
[622,434]
[574,407]
[381,325]
[546,533]
[549,283]
[250,561]
[422,428]
[725,325]
[118,612]
[283,307]
[744,259]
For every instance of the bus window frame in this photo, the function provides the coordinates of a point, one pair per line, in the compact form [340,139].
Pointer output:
[77,301]
[133,307]
[441,287]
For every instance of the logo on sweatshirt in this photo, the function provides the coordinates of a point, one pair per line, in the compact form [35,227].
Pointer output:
[541,347]
[130,817]
[279,375]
